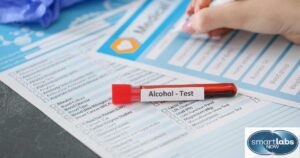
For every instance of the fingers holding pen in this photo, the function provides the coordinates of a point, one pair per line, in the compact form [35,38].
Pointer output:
[223,16]
[194,7]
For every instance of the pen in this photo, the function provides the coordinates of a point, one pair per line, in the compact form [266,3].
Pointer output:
[126,93]
[219,2]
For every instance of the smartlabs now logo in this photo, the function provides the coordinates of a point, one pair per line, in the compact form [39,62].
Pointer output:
[272,142]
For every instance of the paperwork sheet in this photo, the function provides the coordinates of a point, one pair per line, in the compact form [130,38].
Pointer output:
[20,44]
[74,90]
[264,66]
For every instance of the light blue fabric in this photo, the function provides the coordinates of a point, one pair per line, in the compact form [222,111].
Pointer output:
[44,12]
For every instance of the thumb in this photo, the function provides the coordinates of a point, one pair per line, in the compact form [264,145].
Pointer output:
[295,38]
[234,15]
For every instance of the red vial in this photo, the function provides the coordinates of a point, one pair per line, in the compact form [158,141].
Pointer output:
[126,93]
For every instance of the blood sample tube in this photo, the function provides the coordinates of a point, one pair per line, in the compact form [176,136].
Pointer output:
[126,93]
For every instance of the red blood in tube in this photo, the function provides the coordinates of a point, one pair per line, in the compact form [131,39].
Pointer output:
[126,93]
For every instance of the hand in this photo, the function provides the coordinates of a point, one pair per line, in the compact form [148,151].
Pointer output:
[260,16]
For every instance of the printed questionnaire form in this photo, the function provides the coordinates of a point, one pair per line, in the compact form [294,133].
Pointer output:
[264,66]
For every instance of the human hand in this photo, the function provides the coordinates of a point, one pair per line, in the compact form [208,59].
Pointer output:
[267,17]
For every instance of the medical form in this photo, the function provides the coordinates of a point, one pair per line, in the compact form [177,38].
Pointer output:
[261,65]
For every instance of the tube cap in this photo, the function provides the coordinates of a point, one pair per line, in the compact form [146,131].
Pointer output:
[121,94]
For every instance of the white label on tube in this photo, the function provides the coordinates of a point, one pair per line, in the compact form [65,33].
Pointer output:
[172,94]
